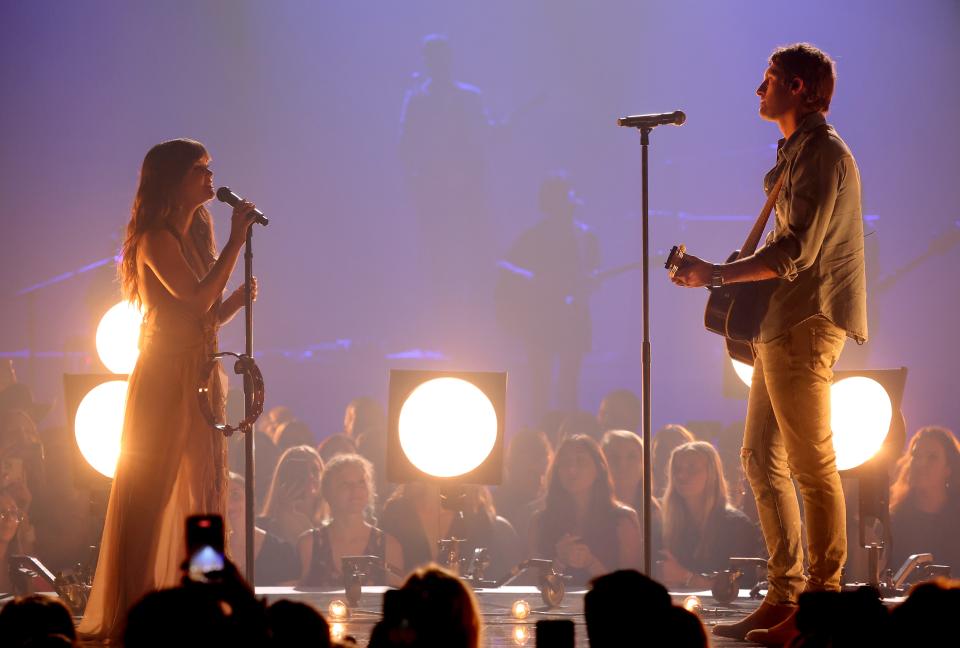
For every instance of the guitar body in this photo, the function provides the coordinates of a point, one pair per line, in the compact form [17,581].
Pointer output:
[735,312]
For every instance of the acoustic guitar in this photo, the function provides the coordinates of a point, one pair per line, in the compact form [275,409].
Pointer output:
[736,310]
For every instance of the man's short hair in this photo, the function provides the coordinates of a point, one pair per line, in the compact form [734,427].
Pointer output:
[811,65]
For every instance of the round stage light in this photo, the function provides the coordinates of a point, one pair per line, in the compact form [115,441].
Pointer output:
[98,425]
[860,415]
[337,610]
[520,609]
[743,370]
[447,427]
[117,335]
[693,604]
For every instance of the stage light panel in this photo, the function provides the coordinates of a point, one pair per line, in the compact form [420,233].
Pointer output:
[860,416]
[98,425]
[864,405]
[117,336]
[446,426]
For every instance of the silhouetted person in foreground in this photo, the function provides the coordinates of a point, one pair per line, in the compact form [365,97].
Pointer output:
[433,608]
[297,624]
[626,608]
[28,620]
[929,615]
[842,619]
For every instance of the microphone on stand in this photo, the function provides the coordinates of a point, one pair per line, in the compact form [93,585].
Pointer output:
[649,121]
[225,194]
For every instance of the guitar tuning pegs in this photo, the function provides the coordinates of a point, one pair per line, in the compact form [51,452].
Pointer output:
[675,258]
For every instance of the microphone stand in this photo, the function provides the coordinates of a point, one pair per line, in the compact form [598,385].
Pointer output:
[646,123]
[248,428]
[645,361]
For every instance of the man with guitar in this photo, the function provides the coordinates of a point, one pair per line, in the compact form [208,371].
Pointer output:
[543,295]
[810,282]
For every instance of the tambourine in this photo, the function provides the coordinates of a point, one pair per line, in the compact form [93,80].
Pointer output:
[245,366]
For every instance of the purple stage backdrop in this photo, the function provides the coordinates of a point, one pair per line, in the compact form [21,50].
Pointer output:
[300,106]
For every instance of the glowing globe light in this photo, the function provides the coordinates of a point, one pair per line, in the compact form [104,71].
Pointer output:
[743,370]
[520,609]
[693,604]
[337,610]
[99,425]
[117,336]
[860,418]
[447,427]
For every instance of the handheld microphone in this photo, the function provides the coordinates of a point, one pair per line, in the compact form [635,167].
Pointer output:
[225,194]
[649,121]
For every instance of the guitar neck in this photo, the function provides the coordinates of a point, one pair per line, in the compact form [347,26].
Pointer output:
[753,238]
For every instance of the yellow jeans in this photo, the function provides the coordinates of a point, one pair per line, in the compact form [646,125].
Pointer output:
[788,433]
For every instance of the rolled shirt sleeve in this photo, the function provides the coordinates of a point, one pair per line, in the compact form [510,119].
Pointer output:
[811,194]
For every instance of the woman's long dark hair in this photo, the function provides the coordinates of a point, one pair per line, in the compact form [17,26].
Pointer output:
[296,470]
[902,489]
[558,518]
[158,195]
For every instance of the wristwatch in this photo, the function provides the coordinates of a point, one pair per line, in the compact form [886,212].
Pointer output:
[716,279]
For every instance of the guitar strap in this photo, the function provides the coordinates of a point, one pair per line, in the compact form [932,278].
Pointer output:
[753,238]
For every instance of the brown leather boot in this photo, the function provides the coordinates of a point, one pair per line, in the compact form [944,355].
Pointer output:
[766,616]
[778,635]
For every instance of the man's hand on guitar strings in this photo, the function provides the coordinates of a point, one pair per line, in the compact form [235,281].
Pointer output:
[693,272]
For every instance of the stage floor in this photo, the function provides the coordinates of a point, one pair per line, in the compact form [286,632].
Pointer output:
[501,629]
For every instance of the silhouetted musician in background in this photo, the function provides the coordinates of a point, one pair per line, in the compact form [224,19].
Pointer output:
[543,295]
[444,129]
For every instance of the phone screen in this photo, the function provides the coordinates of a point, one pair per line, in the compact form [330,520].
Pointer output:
[204,562]
[204,546]
[555,633]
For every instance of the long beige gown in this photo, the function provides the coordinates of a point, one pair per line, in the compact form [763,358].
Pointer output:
[172,464]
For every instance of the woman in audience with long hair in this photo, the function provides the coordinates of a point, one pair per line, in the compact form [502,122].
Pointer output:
[11,517]
[701,531]
[419,517]
[275,560]
[524,479]
[623,451]
[293,503]
[666,439]
[925,499]
[582,526]
[347,488]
